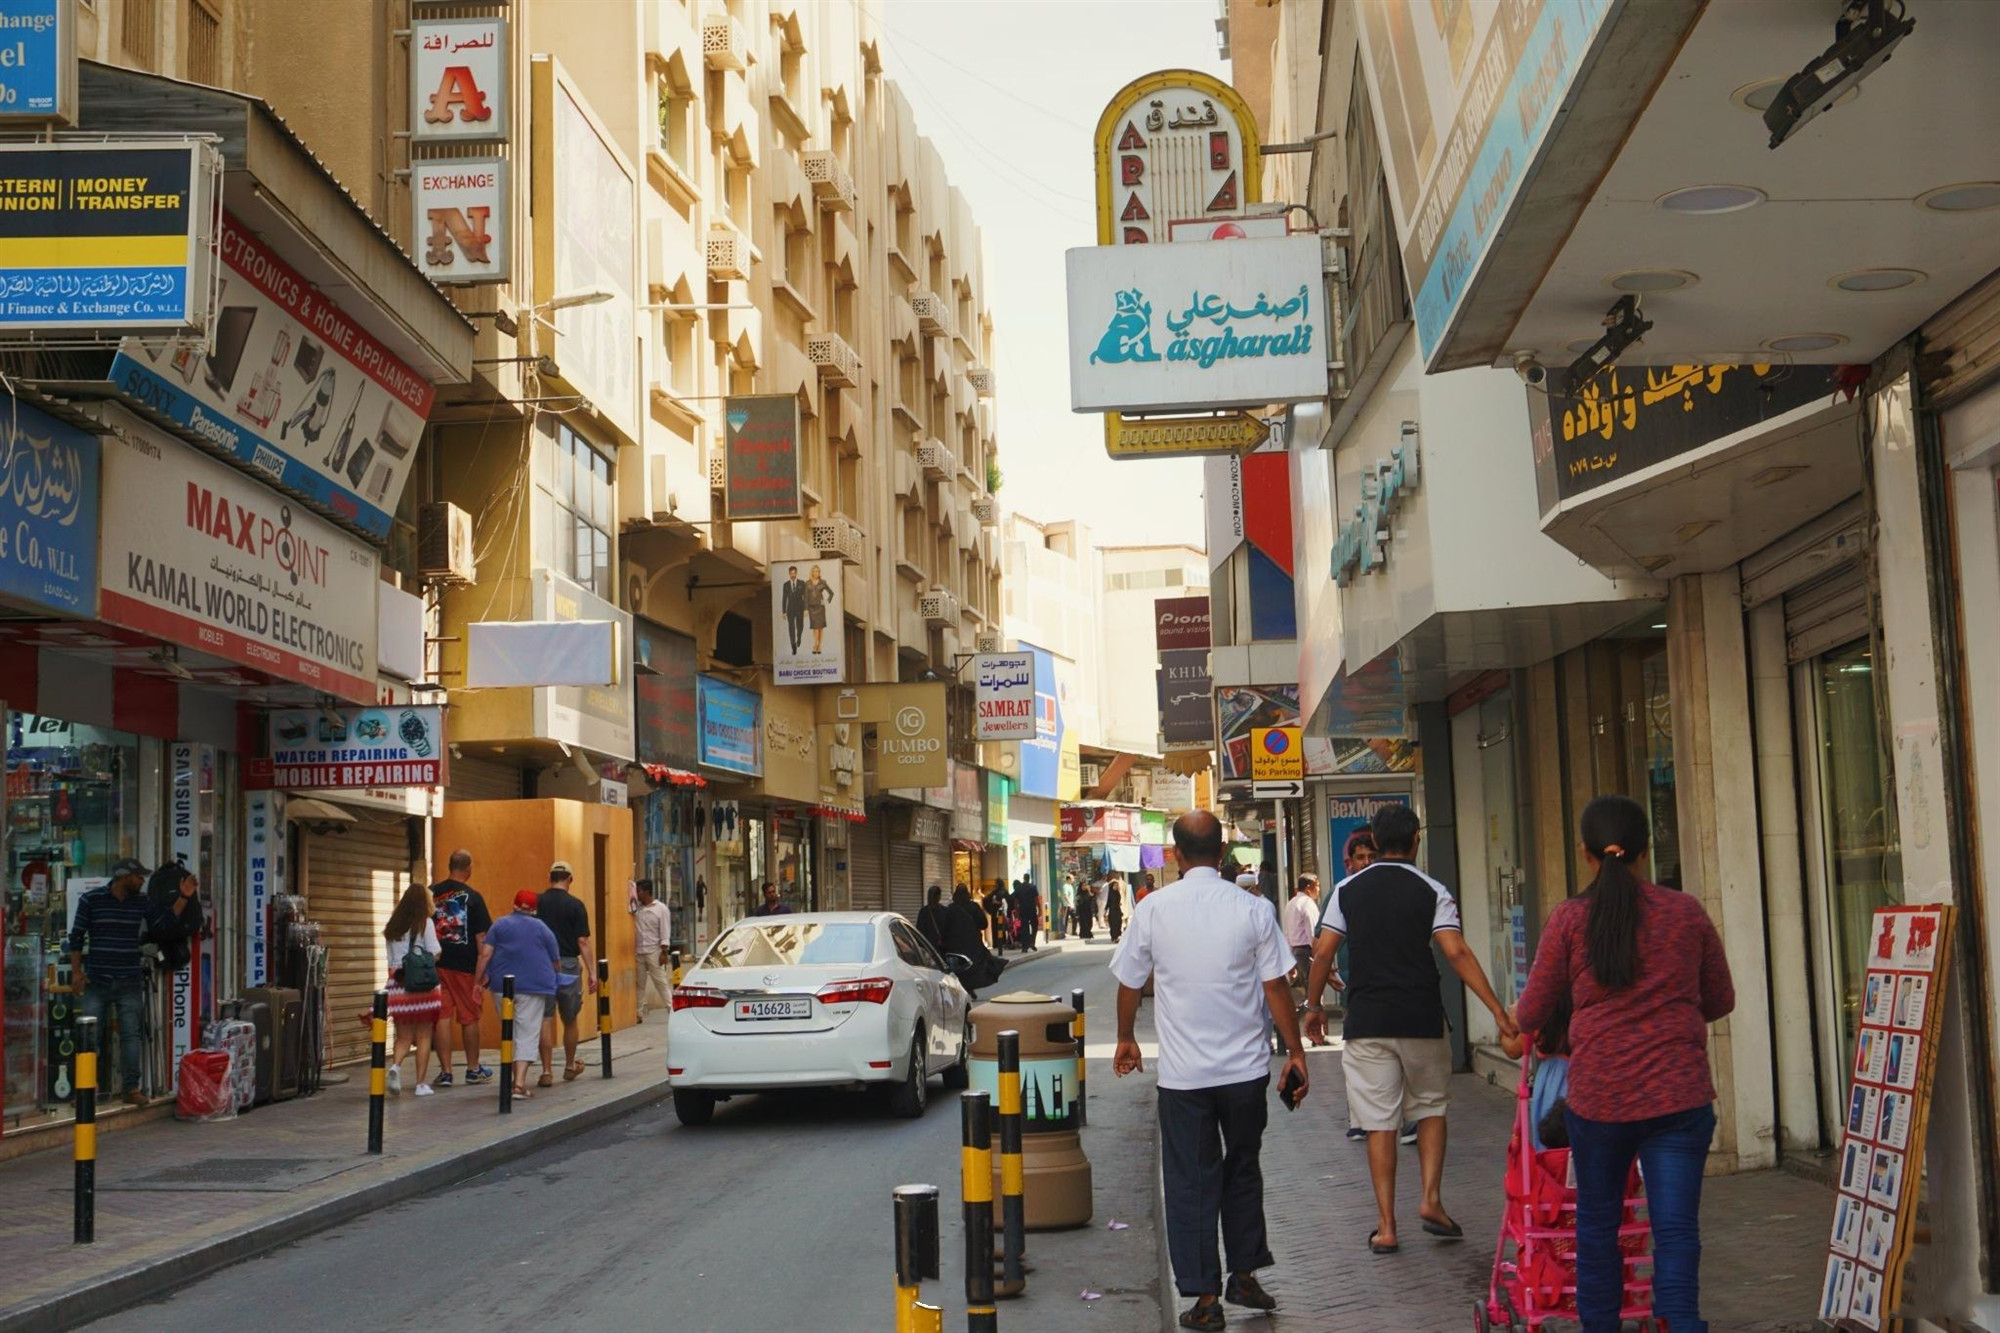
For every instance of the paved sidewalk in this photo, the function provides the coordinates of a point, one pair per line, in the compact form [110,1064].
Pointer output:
[176,1201]
[1764,1233]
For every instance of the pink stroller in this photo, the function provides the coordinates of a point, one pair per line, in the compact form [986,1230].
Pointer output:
[1534,1264]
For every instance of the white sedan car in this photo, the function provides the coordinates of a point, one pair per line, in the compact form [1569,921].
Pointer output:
[817,1000]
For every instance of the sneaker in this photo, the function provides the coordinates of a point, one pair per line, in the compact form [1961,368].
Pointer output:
[1356,1134]
[395,1078]
[425,1090]
[443,1081]
[479,1075]
[1409,1134]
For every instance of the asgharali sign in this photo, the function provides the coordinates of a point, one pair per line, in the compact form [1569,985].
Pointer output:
[1211,324]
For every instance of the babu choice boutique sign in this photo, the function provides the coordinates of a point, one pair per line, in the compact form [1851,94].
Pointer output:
[1004,695]
[203,556]
[1887,1115]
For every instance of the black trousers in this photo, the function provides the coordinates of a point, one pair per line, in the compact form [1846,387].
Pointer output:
[1210,1139]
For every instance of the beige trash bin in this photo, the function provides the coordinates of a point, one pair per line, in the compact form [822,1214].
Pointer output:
[1055,1190]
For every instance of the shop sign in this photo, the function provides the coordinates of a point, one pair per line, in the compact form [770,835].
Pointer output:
[104,237]
[1004,696]
[664,696]
[48,512]
[1173,791]
[760,451]
[1041,758]
[1101,823]
[1205,325]
[1241,709]
[791,747]
[909,723]
[1277,754]
[1180,622]
[1169,137]
[808,623]
[264,873]
[731,726]
[968,805]
[289,387]
[1362,543]
[1348,815]
[1888,1112]
[37,61]
[999,791]
[358,747]
[182,837]
[458,81]
[201,555]
[463,223]
[840,762]
[596,717]
[1186,688]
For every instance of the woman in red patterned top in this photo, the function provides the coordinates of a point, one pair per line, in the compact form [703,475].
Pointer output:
[1644,968]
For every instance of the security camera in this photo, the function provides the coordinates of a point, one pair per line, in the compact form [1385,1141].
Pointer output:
[1532,372]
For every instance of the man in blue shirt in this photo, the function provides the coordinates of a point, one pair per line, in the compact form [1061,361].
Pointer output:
[112,920]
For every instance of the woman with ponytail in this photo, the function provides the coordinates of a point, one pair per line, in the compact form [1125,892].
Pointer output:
[1644,972]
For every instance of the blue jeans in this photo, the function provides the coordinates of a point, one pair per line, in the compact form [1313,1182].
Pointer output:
[1672,1149]
[124,997]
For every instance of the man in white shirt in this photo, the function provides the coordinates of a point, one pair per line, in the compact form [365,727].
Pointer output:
[1301,920]
[1218,963]
[653,927]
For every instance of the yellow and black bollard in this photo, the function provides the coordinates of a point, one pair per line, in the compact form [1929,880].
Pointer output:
[674,963]
[1013,1207]
[86,1131]
[976,1182]
[507,1044]
[604,1014]
[1082,1102]
[916,1257]
[378,1068]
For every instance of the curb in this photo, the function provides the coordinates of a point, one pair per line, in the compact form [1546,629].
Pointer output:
[127,1287]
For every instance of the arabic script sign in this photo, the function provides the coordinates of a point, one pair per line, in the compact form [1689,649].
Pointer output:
[48,512]
[1004,693]
[458,81]
[1186,718]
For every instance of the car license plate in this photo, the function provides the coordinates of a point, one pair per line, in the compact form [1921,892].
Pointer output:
[761,1009]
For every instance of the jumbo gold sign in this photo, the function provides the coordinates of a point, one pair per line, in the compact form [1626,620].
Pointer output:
[909,726]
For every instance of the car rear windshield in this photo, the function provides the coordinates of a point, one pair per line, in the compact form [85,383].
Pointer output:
[794,944]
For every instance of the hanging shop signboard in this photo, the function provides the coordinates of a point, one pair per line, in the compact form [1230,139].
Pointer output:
[290,387]
[38,62]
[760,442]
[183,836]
[458,81]
[808,626]
[105,237]
[264,875]
[909,723]
[201,555]
[358,747]
[48,512]
[664,699]
[1003,687]
[462,220]
[731,726]
[1180,622]
[1888,1113]
[1186,718]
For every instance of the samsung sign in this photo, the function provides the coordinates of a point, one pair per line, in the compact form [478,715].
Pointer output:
[1208,324]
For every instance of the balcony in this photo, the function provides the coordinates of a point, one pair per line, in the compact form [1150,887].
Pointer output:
[839,364]
[831,183]
[938,607]
[933,316]
[728,253]
[982,380]
[838,536]
[936,460]
[986,510]
[725,43]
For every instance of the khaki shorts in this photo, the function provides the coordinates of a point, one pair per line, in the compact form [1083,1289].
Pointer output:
[1394,1079]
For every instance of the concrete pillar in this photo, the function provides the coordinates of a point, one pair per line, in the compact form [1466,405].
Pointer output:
[1715,796]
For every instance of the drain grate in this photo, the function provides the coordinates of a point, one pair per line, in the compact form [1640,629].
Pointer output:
[237,1174]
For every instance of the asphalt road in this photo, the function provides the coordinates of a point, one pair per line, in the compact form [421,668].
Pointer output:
[774,1216]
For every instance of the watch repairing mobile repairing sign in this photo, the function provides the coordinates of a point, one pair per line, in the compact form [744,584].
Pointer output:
[38,61]
[358,747]
[1004,693]
[761,456]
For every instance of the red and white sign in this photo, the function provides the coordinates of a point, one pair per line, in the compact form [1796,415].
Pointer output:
[1110,824]
[462,220]
[458,81]
[1180,622]
[203,556]
[1003,686]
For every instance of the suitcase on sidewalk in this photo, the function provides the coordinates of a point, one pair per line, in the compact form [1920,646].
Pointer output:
[287,1037]
[258,1014]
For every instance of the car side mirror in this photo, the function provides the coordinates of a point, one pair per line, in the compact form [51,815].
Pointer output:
[958,963]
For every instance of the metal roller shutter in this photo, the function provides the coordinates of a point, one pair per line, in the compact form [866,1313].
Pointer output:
[866,886]
[907,862]
[483,780]
[1826,613]
[352,880]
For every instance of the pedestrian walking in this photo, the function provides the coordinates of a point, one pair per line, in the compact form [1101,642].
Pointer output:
[1301,920]
[932,918]
[1218,964]
[1086,911]
[772,904]
[965,935]
[1397,1059]
[1250,883]
[1062,920]
[998,910]
[1114,907]
[416,1002]
[563,913]
[1028,907]
[652,931]
[460,917]
[105,963]
[521,946]
[1141,889]
[1644,970]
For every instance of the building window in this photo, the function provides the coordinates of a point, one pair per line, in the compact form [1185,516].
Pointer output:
[676,115]
[139,32]
[576,510]
[203,44]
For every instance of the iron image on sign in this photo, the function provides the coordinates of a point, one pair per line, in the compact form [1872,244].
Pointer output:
[462,220]
[358,747]
[761,456]
[1163,328]
[1004,696]
[808,628]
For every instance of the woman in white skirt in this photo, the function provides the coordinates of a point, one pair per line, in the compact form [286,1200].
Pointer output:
[414,1012]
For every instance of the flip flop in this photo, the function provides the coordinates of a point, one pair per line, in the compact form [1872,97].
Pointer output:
[573,1072]
[1373,1248]
[547,1080]
[1448,1229]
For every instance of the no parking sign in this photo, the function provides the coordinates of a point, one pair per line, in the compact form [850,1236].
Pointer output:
[1277,755]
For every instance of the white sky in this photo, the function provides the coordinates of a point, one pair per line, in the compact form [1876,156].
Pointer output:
[1010,92]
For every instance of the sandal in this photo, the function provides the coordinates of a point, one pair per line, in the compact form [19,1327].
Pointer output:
[571,1073]
[523,1095]
[547,1080]
[1373,1248]
[1448,1229]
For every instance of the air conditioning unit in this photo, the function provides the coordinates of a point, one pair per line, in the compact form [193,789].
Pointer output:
[988,643]
[831,183]
[934,457]
[725,44]
[839,364]
[938,607]
[986,510]
[728,253]
[982,380]
[838,536]
[632,588]
[718,471]
[444,544]
[932,314]
[1090,774]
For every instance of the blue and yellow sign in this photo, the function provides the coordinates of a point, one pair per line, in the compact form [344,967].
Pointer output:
[38,61]
[48,512]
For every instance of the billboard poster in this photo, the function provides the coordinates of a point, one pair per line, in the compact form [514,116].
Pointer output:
[358,747]
[291,387]
[38,61]
[458,81]
[761,456]
[48,512]
[1180,622]
[205,557]
[106,237]
[1241,709]
[462,220]
[732,726]
[1347,815]
[1003,687]
[808,630]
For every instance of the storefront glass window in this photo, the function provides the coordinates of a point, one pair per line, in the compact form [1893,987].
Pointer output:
[1863,848]
[1655,787]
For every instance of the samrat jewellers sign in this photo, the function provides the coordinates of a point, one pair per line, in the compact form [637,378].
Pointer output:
[203,556]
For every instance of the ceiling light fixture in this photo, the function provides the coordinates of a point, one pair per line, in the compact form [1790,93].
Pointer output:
[1863,37]
[1623,326]
[1653,564]
[1651,280]
[1877,279]
[1771,476]
[1970,197]
[1804,342]
[1687,532]
[1756,97]
[1705,200]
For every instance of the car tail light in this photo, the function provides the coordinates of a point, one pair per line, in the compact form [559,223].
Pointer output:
[698,997]
[868,990]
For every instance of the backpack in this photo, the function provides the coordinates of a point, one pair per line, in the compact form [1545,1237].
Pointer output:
[419,969]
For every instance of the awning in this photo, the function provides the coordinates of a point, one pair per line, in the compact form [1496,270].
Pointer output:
[835,812]
[308,810]
[967,845]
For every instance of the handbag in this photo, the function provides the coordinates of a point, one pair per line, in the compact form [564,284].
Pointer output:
[419,970]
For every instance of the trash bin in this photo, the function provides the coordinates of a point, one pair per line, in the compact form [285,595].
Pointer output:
[1056,1175]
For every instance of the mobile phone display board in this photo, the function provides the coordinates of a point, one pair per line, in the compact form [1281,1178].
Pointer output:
[1887,1113]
